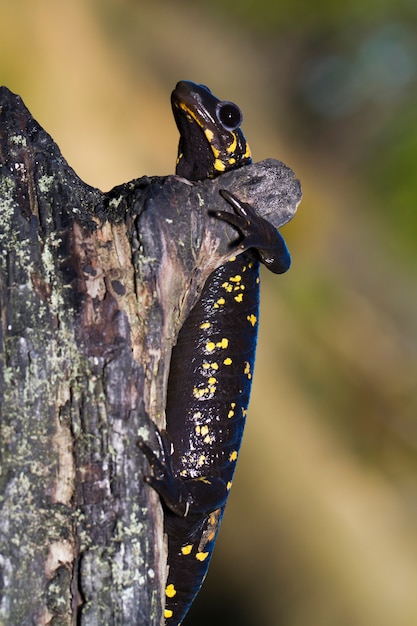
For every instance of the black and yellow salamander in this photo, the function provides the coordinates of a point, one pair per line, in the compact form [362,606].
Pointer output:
[212,363]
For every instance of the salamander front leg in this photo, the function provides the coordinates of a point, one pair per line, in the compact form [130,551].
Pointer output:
[257,233]
[184,497]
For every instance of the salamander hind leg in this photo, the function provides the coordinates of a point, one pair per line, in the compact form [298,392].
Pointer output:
[257,233]
[162,478]
[184,497]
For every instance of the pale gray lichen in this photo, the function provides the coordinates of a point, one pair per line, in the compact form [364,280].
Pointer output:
[7,209]
[45,183]
[19,140]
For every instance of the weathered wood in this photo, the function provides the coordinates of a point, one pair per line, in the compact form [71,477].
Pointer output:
[93,290]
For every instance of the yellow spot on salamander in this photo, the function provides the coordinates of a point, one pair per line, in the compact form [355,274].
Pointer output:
[207,366]
[228,361]
[247,153]
[212,380]
[204,430]
[219,165]
[168,613]
[252,319]
[223,343]
[197,415]
[229,485]
[235,279]
[239,297]
[227,286]
[201,556]
[232,259]
[187,549]
[232,410]
[191,115]
[233,145]
[232,161]
[198,429]
[233,456]
[209,134]
[170,591]
[198,393]
[247,370]
[219,303]
[201,460]
[205,325]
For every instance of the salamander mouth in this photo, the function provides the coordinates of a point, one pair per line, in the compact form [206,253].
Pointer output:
[195,153]
[190,93]
[196,102]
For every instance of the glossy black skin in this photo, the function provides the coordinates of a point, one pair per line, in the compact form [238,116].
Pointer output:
[212,363]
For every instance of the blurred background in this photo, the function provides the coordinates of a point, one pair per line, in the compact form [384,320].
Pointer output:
[320,527]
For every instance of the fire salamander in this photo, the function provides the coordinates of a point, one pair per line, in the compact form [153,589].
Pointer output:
[212,363]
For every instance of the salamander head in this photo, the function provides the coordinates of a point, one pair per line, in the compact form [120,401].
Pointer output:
[211,141]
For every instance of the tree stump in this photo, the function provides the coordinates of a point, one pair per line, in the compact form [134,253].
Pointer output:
[94,288]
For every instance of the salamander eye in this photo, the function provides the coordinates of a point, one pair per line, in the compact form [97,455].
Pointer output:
[229,115]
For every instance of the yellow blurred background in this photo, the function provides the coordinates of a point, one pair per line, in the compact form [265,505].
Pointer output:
[321,524]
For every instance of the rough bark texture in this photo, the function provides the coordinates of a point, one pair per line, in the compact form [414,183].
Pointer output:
[93,290]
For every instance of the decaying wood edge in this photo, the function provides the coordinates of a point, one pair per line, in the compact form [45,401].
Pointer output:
[93,291]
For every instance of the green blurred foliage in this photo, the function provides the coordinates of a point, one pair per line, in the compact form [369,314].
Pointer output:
[320,528]
[271,16]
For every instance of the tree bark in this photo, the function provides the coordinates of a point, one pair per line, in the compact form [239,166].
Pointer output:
[94,288]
